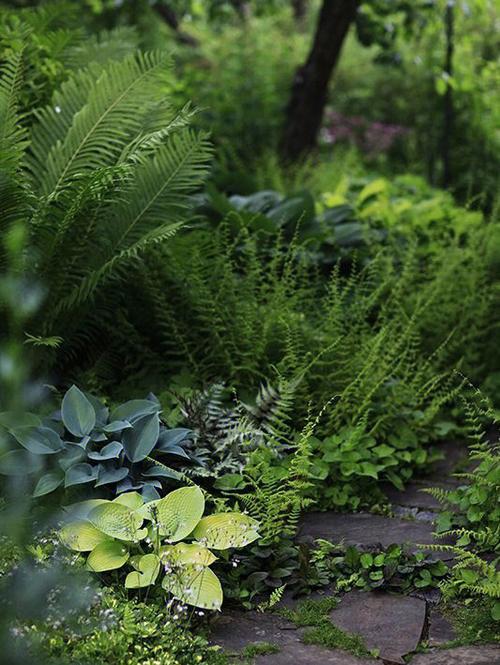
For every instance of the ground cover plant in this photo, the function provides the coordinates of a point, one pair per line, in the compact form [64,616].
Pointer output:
[239,319]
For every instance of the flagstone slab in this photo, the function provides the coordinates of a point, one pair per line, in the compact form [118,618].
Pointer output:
[440,629]
[390,623]
[365,529]
[473,655]
[413,496]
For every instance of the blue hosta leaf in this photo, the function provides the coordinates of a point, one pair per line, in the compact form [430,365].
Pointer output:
[39,440]
[139,441]
[80,474]
[101,411]
[81,510]
[19,463]
[172,437]
[134,410]
[178,452]
[99,437]
[107,476]
[109,451]
[78,414]
[11,420]
[71,456]
[117,426]
[149,493]
[48,483]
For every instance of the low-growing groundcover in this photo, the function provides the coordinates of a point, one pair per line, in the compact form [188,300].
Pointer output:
[201,342]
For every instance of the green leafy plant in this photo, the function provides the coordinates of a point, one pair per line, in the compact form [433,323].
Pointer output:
[117,533]
[86,444]
[393,568]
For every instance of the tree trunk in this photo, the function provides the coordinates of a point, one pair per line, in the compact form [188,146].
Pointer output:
[310,86]
[172,20]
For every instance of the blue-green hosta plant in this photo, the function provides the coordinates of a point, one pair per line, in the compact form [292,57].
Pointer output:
[86,444]
[166,541]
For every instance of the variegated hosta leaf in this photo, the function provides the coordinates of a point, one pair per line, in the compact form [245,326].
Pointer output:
[178,513]
[116,520]
[226,530]
[81,536]
[132,500]
[147,569]
[185,554]
[107,556]
[195,585]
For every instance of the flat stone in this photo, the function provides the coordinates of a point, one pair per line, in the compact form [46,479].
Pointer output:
[233,631]
[473,655]
[365,529]
[440,630]
[413,496]
[390,623]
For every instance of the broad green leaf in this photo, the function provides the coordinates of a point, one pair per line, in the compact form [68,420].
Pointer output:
[131,499]
[80,474]
[116,520]
[48,483]
[39,440]
[134,410]
[195,585]
[184,553]
[19,463]
[78,414]
[147,569]
[140,440]
[81,536]
[178,513]
[226,530]
[109,555]
[112,475]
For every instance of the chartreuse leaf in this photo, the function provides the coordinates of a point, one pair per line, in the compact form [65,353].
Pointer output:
[140,440]
[178,513]
[183,554]
[116,520]
[78,414]
[131,499]
[82,536]
[226,530]
[147,569]
[108,555]
[195,585]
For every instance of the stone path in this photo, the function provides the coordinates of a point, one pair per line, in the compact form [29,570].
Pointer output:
[394,625]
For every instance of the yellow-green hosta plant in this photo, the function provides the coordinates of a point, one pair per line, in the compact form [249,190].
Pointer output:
[150,538]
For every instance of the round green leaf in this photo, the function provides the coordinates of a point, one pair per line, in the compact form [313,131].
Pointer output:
[78,414]
[116,520]
[81,536]
[184,553]
[178,513]
[131,499]
[147,569]
[226,530]
[195,585]
[109,555]
[139,440]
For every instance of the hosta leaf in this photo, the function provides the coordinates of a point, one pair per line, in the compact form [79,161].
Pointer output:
[140,440]
[109,555]
[39,440]
[109,451]
[226,530]
[146,573]
[71,456]
[132,500]
[172,437]
[195,585]
[11,420]
[19,463]
[135,409]
[82,509]
[116,520]
[81,536]
[184,554]
[80,474]
[178,513]
[163,471]
[78,414]
[117,426]
[107,476]
[48,483]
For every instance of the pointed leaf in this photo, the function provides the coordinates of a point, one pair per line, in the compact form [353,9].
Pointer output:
[109,451]
[140,440]
[195,585]
[39,440]
[226,530]
[135,409]
[80,474]
[78,414]
[178,513]
[111,475]
[116,520]
[132,500]
[48,483]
